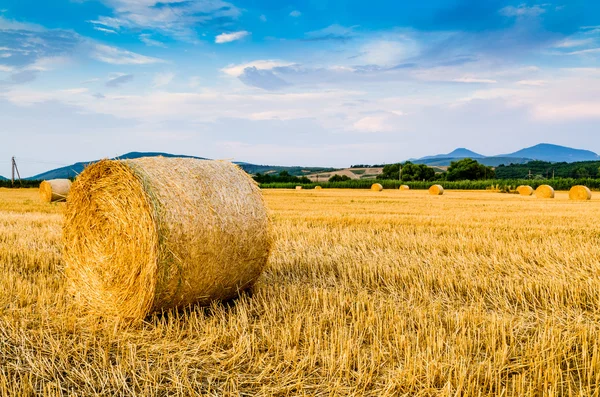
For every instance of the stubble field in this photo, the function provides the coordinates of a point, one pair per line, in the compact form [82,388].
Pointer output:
[375,294]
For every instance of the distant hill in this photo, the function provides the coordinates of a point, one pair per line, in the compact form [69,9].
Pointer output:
[543,152]
[555,153]
[3,178]
[460,153]
[71,171]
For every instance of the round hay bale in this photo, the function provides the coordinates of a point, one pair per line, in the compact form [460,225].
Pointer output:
[318,188]
[544,191]
[376,187]
[149,234]
[404,187]
[298,187]
[436,190]
[580,192]
[54,190]
[525,190]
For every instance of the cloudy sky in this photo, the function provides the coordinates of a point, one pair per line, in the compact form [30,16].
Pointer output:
[312,82]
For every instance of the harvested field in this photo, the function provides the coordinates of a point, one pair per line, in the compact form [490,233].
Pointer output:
[366,293]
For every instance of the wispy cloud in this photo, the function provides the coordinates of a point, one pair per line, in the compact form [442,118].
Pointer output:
[237,70]
[474,80]
[295,13]
[229,37]
[175,18]
[264,79]
[104,30]
[331,32]
[117,56]
[162,79]
[522,11]
[534,83]
[149,41]
[119,80]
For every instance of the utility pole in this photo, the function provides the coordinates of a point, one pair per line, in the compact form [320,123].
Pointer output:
[400,172]
[14,169]
[529,176]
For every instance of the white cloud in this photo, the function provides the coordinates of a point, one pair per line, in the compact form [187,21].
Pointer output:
[570,43]
[229,37]
[474,80]
[388,52]
[6,69]
[377,123]
[263,18]
[585,52]
[117,56]
[101,29]
[295,13]
[175,18]
[8,24]
[238,70]
[146,39]
[162,79]
[534,83]
[522,11]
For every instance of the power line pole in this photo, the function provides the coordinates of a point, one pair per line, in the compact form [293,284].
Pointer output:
[14,169]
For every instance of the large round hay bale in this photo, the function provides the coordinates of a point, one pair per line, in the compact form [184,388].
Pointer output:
[404,187]
[298,187]
[544,191]
[580,192]
[525,190]
[318,188]
[436,190]
[376,187]
[150,234]
[54,190]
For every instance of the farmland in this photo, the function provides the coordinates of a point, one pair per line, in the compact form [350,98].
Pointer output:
[366,293]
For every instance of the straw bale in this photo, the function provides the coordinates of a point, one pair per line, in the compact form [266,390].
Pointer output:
[54,190]
[580,192]
[298,187]
[544,191]
[525,190]
[376,187]
[404,187]
[150,234]
[318,188]
[436,190]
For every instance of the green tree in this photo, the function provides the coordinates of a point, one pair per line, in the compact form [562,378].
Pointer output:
[410,172]
[469,169]
[339,178]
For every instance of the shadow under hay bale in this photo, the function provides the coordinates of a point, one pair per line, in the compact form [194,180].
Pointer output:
[377,187]
[151,234]
[54,190]
[544,191]
[580,193]
[525,190]
[436,190]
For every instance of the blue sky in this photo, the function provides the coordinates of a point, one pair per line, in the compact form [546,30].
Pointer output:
[329,83]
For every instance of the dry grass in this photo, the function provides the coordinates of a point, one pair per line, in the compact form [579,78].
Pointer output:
[377,294]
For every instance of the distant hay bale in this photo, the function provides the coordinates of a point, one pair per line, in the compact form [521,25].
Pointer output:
[404,187]
[376,187]
[298,187]
[318,188]
[580,192]
[525,190]
[436,190]
[544,191]
[150,234]
[54,190]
